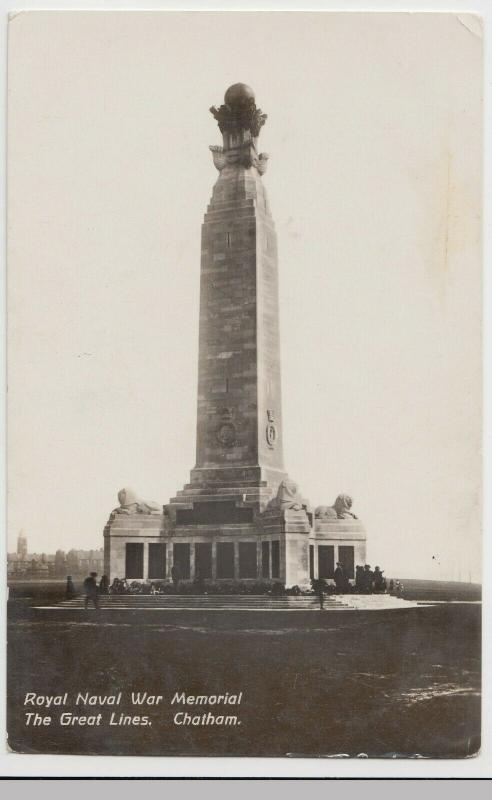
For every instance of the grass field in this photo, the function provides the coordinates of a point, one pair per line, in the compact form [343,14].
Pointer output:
[336,683]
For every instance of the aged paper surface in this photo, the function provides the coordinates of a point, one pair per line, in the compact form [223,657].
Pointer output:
[374,186]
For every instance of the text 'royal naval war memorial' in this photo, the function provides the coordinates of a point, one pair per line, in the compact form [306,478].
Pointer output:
[241,518]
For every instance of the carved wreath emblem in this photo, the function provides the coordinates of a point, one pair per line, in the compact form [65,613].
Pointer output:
[226,434]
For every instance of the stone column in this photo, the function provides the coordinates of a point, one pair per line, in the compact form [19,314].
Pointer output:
[296,552]
[214,559]
[107,551]
[236,561]
[192,560]
[169,558]
[145,560]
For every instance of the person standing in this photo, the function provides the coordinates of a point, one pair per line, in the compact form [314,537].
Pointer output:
[70,589]
[176,576]
[379,581]
[91,591]
[104,585]
[198,582]
[319,587]
[340,578]
[368,579]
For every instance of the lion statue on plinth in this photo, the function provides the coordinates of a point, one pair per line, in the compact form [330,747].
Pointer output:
[288,497]
[339,510]
[131,504]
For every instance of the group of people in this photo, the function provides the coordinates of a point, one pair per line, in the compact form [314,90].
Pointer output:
[367,581]
[92,589]
[120,586]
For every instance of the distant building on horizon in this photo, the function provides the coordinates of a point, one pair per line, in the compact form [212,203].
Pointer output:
[22,546]
[77,563]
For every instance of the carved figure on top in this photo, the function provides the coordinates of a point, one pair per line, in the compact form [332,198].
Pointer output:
[131,504]
[240,122]
[245,156]
[239,111]
[288,497]
[218,155]
[339,510]
[262,163]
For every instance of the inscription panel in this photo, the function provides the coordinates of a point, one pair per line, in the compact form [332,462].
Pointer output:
[213,513]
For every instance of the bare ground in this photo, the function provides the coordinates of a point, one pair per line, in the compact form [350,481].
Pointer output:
[392,683]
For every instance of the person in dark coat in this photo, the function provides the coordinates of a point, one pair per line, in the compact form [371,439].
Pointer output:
[198,582]
[70,588]
[379,581]
[176,576]
[90,589]
[340,578]
[319,587]
[104,585]
[359,579]
[368,579]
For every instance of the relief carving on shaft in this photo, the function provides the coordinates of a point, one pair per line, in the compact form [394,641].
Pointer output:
[226,433]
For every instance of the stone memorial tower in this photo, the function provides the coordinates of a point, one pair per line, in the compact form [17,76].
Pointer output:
[239,517]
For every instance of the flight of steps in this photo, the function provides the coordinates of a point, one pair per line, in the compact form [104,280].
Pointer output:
[129,602]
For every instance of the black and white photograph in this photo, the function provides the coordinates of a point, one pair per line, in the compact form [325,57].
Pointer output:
[244,285]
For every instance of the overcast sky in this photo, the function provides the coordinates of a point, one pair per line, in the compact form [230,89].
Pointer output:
[374,180]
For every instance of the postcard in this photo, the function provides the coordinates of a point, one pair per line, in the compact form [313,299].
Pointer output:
[244,384]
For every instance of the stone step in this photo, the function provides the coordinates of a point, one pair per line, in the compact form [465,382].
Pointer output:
[251,494]
[226,486]
[177,604]
[193,600]
[242,602]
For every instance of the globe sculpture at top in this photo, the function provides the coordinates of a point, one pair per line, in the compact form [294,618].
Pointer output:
[239,111]
[239,94]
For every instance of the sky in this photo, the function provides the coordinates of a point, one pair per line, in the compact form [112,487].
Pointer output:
[374,181]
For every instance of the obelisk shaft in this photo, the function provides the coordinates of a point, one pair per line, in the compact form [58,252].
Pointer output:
[239,415]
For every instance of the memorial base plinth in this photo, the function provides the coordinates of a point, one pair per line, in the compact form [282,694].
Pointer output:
[222,535]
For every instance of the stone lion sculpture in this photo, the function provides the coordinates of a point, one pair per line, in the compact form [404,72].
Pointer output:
[288,496]
[131,504]
[339,510]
